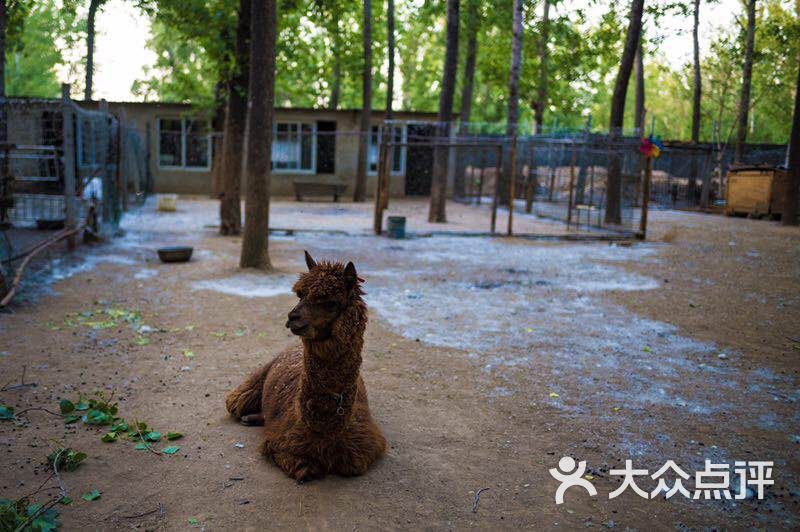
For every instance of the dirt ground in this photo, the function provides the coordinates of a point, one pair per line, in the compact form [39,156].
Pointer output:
[486,361]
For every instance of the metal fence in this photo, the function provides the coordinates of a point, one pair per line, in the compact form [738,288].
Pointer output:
[62,165]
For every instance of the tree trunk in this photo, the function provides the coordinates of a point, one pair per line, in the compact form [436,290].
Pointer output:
[360,190]
[260,115]
[541,93]
[696,94]
[638,106]
[509,169]
[747,76]
[614,180]
[217,125]
[94,5]
[233,141]
[466,91]
[337,60]
[390,73]
[3,23]
[789,216]
[436,213]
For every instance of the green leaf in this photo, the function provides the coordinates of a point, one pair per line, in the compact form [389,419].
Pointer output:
[171,449]
[44,522]
[109,437]
[82,405]
[65,500]
[72,418]
[174,436]
[122,426]
[91,496]
[97,417]
[66,406]
[141,446]
[193,521]
[6,413]
[142,340]
[152,436]
[188,353]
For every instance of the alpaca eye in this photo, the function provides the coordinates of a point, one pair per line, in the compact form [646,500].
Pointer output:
[301,295]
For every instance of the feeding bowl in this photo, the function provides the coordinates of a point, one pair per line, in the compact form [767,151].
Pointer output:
[175,253]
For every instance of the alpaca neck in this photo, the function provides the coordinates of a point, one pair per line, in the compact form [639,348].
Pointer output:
[330,377]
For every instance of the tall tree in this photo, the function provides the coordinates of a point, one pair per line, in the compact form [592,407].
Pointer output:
[466,89]
[509,166]
[541,89]
[390,51]
[638,74]
[790,199]
[697,89]
[3,22]
[336,85]
[614,180]
[436,213]
[360,191]
[233,139]
[94,6]
[747,78]
[260,115]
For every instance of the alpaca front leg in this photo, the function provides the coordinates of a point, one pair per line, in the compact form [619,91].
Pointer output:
[300,469]
[246,398]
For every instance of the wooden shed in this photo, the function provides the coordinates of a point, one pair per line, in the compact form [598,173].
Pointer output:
[755,191]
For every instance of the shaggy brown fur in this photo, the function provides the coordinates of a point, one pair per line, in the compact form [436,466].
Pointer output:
[311,398]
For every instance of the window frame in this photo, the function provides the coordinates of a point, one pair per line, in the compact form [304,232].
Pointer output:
[299,123]
[183,166]
[403,150]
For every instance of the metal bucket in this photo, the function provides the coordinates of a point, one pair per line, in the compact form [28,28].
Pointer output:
[396,227]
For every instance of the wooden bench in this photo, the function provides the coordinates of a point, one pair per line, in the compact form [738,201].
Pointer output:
[312,188]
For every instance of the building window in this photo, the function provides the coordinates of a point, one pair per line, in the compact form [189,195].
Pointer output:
[398,151]
[184,143]
[294,147]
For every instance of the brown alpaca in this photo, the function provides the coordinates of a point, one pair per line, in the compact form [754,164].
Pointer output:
[311,398]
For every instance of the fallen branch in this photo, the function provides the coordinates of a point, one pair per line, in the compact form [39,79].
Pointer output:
[477,499]
[22,384]
[62,492]
[145,442]
[61,235]
[159,508]
[37,408]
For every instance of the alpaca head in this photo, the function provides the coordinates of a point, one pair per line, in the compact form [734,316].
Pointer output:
[330,301]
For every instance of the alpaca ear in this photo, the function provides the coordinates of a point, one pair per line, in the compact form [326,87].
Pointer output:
[350,274]
[310,262]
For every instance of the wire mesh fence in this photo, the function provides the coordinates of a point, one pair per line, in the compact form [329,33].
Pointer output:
[62,165]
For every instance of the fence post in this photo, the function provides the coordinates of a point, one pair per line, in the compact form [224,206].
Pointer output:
[648,171]
[530,189]
[68,148]
[512,179]
[498,171]
[377,222]
[572,184]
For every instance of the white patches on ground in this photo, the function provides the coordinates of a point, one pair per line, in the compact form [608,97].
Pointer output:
[249,285]
[145,273]
[522,307]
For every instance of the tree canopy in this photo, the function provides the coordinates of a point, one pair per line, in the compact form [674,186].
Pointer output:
[193,43]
